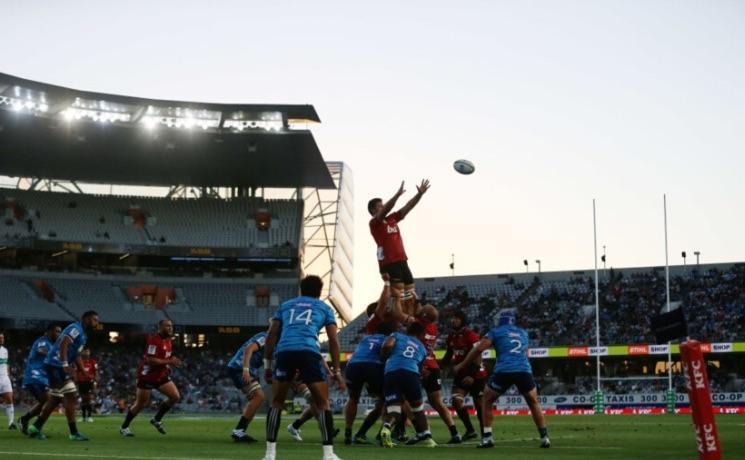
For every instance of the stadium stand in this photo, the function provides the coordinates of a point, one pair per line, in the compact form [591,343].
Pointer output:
[206,302]
[559,308]
[202,222]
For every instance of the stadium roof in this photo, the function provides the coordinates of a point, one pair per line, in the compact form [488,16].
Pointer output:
[53,132]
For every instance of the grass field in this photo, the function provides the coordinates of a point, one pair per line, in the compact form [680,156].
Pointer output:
[576,437]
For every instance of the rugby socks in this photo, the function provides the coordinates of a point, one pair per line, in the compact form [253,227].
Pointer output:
[326,422]
[543,432]
[272,427]
[369,421]
[242,424]
[347,433]
[480,417]
[465,418]
[298,423]
[164,407]
[73,428]
[453,430]
[40,421]
[128,419]
[10,413]
[487,433]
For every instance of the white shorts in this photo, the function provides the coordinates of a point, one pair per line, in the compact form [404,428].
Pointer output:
[5,385]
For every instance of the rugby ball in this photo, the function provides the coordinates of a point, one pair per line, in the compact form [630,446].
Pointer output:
[464,167]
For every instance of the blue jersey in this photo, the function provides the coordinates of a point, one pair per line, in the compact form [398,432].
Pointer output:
[257,358]
[34,372]
[408,354]
[76,333]
[511,344]
[302,319]
[368,351]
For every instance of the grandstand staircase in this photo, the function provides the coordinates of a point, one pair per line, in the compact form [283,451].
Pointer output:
[34,292]
[528,292]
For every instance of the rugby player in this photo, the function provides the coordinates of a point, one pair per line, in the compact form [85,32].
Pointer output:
[298,351]
[243,369]
[392,259]
[470,381]
[404,356]
[512,368]
[61,374]
[365,368]
[154,373]
[35,379]
[87,378]
[431,377]
[6,388]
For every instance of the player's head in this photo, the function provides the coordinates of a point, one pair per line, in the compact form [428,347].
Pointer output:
[386,328]
[506,318]
[428,313]
[374,206]
[2,338]
[53,331]
[85,353]
[371,309]
[458,319]
[415,329]
[89,319]
[311,286]
[165,327]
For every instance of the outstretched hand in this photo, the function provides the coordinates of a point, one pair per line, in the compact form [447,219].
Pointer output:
[401,189]
[423,187]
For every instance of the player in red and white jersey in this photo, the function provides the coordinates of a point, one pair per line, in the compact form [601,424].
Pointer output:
[392,258]
[86,378]
[431,377]
[467,382]
[154,373]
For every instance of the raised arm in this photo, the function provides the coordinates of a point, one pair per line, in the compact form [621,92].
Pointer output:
[388,345]
[388,205]
[474,354]
[421,189]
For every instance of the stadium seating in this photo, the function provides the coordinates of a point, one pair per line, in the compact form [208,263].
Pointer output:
[220,301]
[203,222]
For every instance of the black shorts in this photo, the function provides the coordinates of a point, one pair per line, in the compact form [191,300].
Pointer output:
[307,364]
[37,390]
[433,382]
[358,375]
[85,388]
[475,389]
[152,385]
[502,381]
[402,385]
[399,272]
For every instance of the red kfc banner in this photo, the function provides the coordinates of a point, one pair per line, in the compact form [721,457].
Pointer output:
[697,383]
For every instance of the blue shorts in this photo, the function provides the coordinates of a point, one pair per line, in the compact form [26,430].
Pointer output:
[57,376]
[307,364]
[502,381]
[402,385]
[37,390]
[358,375]
[236,375]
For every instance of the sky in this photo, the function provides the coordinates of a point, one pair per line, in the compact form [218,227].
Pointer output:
[555,102]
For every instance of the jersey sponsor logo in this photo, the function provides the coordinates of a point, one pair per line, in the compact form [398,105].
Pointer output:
[638,349]
[391,230]
[152,349]
[74,333]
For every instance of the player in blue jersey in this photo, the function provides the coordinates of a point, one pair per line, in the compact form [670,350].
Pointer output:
[365,369]
[35,379]
[404,355]
[294,332]
[512,368]
[61,374]
[243,369]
